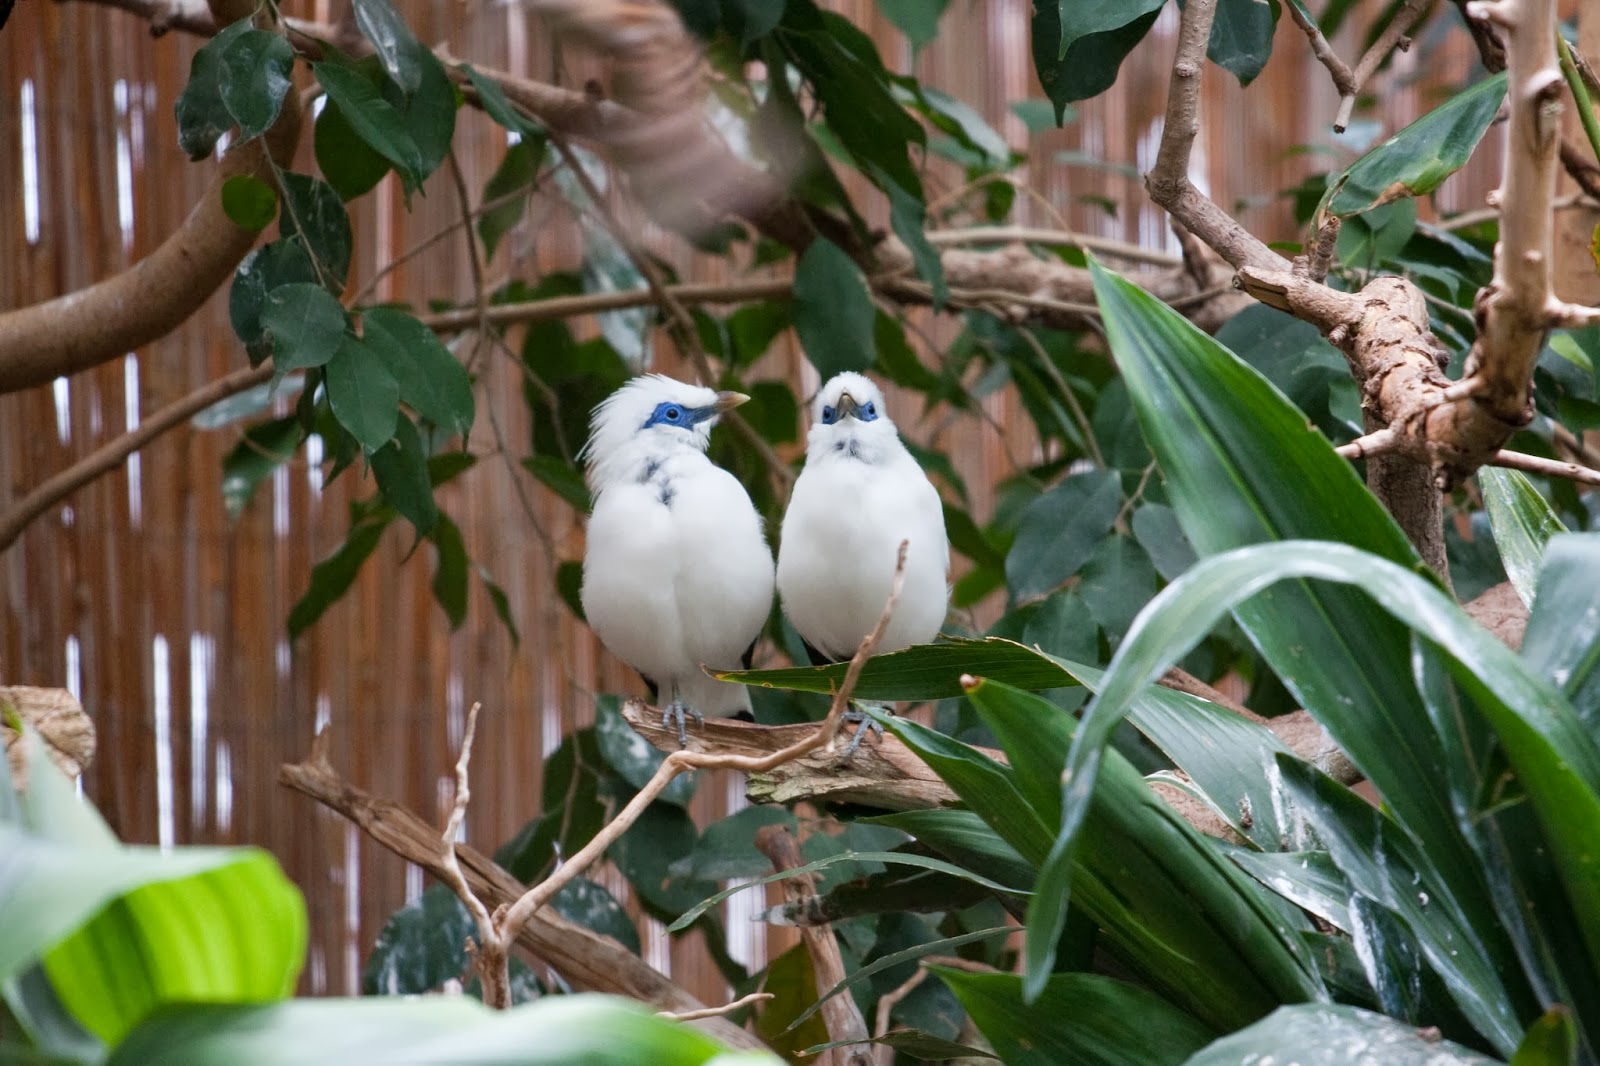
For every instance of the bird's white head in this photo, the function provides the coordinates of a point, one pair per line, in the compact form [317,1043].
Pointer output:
[848,417]
[650,416]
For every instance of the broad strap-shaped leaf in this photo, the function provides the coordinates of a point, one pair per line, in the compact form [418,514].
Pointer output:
[1562,641]
[1243,467]
[923,672]
[1080,1018]
[1328,1034]
[1554,758]
[833,312]
[1522,522]
[1416,160]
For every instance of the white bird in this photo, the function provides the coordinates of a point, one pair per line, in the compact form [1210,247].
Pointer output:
[676,572]
[859,495]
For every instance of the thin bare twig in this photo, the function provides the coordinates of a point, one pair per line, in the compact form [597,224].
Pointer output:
[716,1012]
[1393,35]
[1535,464]
[1375,443]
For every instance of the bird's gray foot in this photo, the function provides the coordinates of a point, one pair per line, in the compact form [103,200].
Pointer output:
[863,723]
[678,711]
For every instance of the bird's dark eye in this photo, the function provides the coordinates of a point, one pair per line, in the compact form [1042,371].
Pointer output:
[672,414]
[829,416]
[869,411]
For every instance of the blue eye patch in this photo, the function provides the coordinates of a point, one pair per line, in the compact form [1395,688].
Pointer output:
[668,413]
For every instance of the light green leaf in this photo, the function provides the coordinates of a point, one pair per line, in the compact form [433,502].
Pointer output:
[1329,1034]
[1522,522]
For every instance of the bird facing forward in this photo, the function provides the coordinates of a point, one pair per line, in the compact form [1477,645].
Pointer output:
[676,572]
[860,494]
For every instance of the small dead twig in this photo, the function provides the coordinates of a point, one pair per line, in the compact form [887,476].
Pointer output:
[716,1012]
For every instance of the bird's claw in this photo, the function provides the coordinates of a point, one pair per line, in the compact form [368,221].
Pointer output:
[678,711]
[864,725]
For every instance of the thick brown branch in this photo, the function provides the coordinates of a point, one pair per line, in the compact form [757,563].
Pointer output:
[153,297]
[583,957]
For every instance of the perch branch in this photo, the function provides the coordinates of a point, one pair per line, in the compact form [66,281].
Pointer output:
[585,958]
[716,1012]
[840,1014]
[1534,464]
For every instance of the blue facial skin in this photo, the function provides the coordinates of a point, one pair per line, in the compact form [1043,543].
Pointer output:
[865,413]
[676,414]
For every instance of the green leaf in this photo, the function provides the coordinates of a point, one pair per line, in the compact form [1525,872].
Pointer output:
[282,262]
[1241,36]
[908,217]
[1059,531]
[727,848]
[397,47]
[429,113]
[363,393]
[1308,879]
[1078,47]
[305,325]
[1116,581]
[202,116]
[254,77]
[265,447]
[1416,160]
[499,108]
[585,903]
[1555,760]
[313,212]
[401,468]
[373,119]
[554,1031]
[332,578]
[421,946]
[502,607]
[450,573]
[349,164]
[924,672]
[1562,641]
[833,311]
[917,19]
[562,478]
[1550,1041]
[1522,522]
[432,381]
[251,203]
[1084,1019]
[515,174]
[1156,527]
[963,837]
[1330,1034]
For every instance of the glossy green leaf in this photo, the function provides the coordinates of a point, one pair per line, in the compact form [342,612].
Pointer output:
[833,311]
[1230,760]
[1242,466]
[1522,522]
[924,672]
[1556,761]
[1241,36]
[585,903]
[428,114]
[432,381]
[1329,1034]
[250,202]
[555,1031]
[497,106]
[727,848]
[253,78]
[397,47]
[892,858]
[1308,879]
[1078,47]
[363,393]
[265,447]
[282,262]
[1080,1018]
[1158,532]
[372,118]
[1115,582]
[305,325]
[313,212]
[450,571]
[421,946]
[1562,641]
[1059,532]
[1550,1041]
[202,115]
[333,576]
[511,182]
[348,163]
[962,837]
[1416,160]
[401,469]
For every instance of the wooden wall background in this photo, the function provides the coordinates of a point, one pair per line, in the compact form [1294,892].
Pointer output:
[167,618]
